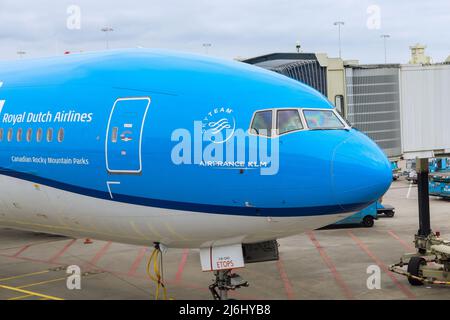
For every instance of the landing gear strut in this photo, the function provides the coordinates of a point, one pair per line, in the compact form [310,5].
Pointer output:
[225,281]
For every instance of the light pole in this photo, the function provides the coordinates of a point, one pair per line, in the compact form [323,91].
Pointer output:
[339,24]
[385,37]
[106,30]
[21,53]
[207,46]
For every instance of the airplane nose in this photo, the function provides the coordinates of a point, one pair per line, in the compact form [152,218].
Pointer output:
[361,173]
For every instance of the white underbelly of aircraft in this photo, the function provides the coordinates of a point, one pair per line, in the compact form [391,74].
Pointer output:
[28,206]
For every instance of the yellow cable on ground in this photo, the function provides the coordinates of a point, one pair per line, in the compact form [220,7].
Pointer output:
[156,257]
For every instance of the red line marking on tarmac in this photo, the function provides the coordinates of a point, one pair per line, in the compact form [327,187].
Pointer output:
[30,259]
[22,250]
[337,277]
[406,245]
[62,251]
[285,279]
[137,262]
[30,245]
[100,254]
[144,277]
[404,289]
[181,266]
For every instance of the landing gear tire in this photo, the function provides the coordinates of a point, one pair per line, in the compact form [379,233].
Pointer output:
[390,213]
[368,222]
[414,269]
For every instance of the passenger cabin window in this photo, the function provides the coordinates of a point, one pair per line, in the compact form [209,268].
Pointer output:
[1,134]
[39,135]
[288,120]
[10,134]
[49,135]
[322,119]
[262,123]
[60,134]
[29,134]
[19,135]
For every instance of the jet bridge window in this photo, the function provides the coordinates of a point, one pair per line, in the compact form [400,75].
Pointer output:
[322,119]
[288,120]
[262,123]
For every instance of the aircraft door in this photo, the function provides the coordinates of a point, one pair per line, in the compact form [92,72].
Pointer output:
[124,135]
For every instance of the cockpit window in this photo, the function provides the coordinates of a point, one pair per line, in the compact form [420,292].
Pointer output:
[322,119]
[262,123]
[288,120]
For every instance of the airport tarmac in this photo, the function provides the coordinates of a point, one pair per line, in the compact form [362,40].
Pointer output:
[324,264]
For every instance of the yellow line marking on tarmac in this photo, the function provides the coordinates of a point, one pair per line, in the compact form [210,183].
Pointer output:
[30,292]
[24,275]
[42,282]
[21,297]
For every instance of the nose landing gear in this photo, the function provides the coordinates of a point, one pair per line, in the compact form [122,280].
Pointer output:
[224,282]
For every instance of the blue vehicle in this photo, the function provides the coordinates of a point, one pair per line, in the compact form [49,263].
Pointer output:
[435,187]
[439,184]
[439,178]
[446,191]
[439,165]
[368,215]
[386,209]
[395,170]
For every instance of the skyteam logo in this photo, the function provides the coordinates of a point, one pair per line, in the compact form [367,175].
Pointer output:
[2,102]
[215,142]
[221,123]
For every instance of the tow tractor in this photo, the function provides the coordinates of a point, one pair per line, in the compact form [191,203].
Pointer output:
[386,209]
[431,263]
[367,216]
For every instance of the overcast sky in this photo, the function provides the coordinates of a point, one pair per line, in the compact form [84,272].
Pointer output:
[234,28]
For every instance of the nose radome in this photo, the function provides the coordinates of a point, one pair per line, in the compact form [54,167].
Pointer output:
[361,172]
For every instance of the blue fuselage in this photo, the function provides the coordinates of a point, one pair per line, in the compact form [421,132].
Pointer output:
[112,118]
